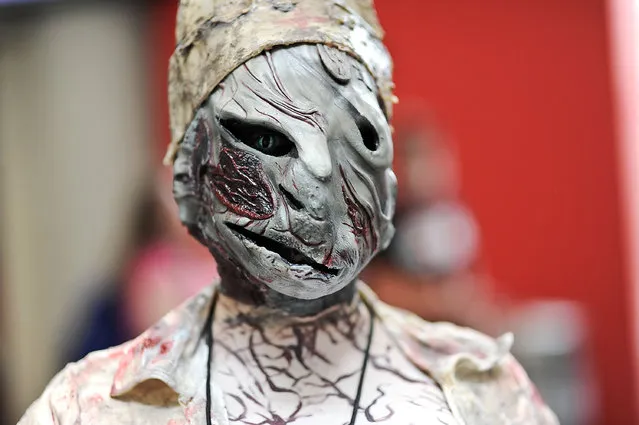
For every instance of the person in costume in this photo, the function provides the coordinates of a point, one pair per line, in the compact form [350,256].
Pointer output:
[282,154]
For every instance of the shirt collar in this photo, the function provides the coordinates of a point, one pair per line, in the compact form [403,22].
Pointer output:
[439,349]
[150,364]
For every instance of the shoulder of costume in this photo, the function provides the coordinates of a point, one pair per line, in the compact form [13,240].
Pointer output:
[440,339]
[119,371]
[458,358]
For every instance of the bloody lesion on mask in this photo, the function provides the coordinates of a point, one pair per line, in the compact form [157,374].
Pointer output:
[239,182]
[361,217]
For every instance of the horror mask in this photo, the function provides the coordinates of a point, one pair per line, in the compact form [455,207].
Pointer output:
[285,171]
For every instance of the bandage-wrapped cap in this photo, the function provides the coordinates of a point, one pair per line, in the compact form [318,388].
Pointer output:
[216,36]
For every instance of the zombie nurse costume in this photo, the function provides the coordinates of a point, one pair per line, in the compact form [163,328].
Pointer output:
[282,150]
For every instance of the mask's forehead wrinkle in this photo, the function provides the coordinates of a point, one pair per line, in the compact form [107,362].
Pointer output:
[247,66]
[239,105]
[226,94]
[365,77]
[357,98]
[308,62]
[260,85]
[270,68]
[269,116]
[276,78]
[312,84]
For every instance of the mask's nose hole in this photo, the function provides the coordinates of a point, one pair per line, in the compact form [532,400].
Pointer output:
[294,203]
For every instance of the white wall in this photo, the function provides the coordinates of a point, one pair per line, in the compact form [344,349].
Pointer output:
[72,142]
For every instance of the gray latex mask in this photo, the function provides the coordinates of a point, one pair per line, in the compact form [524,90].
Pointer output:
[285,171]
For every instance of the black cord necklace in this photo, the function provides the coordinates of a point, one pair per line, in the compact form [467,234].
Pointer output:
[208,336]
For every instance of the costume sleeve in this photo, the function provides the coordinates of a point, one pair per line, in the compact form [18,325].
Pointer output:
[501,394]
[40,413]
[528,394]
[57,405]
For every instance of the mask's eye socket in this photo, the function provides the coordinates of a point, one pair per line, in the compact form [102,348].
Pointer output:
[265,140]
[368,133]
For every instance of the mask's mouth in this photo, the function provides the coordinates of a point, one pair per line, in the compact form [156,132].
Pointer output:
[290,255]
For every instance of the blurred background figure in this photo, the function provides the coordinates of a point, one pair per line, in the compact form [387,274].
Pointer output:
[518,201]
[432,265]
[91,249]
[433,268]
[164,267]
[552,343]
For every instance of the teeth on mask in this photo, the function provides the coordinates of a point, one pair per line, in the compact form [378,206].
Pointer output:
[289,254]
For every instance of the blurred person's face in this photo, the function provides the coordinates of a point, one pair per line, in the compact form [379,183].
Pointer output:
[430,168]
[284,174]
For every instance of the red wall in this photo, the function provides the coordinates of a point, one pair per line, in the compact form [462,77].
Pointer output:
[524,89]
[162,42]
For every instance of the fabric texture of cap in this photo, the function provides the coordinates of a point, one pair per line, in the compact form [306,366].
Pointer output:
[216,36]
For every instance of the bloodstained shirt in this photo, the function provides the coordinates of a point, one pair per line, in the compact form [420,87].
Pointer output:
[160,377]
